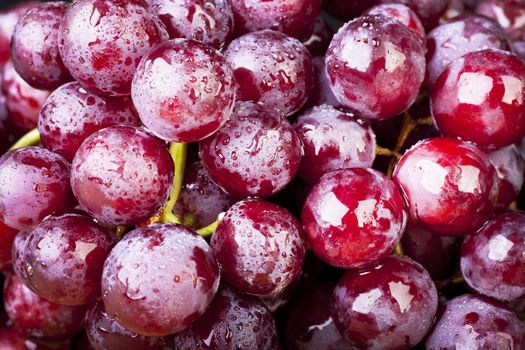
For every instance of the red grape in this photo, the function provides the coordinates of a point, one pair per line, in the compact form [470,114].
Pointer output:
[450,185]
[292,17]
[34,47]
[8,19]
[122,175]
[259,246]
[271,69]
[256,153]
[103,41]
[471,322]
[22,101]
[64,258]
[375,66]
[184,90]
[508,13]
[454,38]
[510,169]
[11,339]
[38,317]
[492,258]
[333,140]
[354,217]
[480,98]
[207,21]
[201,197]
[71,114]
[18,254]
[105,333]
[401,13]
[34,183]
[389,306]
[233,321]
[159,279]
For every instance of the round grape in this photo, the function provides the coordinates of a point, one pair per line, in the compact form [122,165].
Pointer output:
[333,140]
[474,322]
[271,69]
[38,317]
[375,66]
[105,333]
[292,17]
[64,258]
[71,114]
[450,185]
[401,13]
[389,306]
[34,47]
[492,257]
[508,13]
[353,218]
[122,175]
[34,183]
[479,98]
[256,153]
[233,321]
[259,246]
[159,279]
[207,21]
[184,90]
[102,42]
[510,168]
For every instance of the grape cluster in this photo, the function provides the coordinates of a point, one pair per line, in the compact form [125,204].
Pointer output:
[278,174]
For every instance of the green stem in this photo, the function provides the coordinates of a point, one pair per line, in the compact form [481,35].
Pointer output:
[178,152]
[30,139]
[208,230]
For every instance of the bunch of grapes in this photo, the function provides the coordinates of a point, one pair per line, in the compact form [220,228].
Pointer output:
[278,174]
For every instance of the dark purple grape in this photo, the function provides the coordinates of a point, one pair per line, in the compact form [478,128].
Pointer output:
[184,90]
[401,13]
[292,17]
[492,258]
[207,21]
[122,175]
[256,153]
[333,140]
[437,254]
[354,218]
[259,246]
[105,333]
[310,325]
[389,306]
[34,47]
[200,197]
[71,114]
[22,101]
[38,317]
[471,322]
[450,185]
[233,321]
[103,41]
[64,258]
[322,93]
[375,66]
[318,42]
[510,168]
[159,279]
[454,38]
[271,69]
[34,183]
[479,98]
[7,237]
